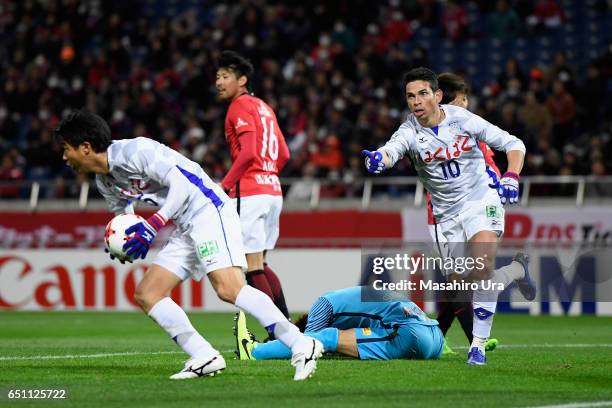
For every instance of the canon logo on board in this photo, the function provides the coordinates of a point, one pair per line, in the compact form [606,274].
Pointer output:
[78,284]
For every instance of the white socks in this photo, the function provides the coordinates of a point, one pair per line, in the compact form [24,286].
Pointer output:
[485,302]
[260,306]
[175,322]
[479,342]
[511,272]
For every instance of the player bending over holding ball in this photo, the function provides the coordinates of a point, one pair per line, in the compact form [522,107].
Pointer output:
[442,142]
[207,239]
[357,322]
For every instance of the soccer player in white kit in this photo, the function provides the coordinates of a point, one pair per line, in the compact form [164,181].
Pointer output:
[442,142]
[207,239]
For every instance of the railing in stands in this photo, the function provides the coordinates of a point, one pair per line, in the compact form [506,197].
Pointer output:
[311,192]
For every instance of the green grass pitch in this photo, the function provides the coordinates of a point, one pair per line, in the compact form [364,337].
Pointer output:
[124,360]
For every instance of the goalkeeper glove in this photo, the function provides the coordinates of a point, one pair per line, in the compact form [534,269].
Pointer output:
[144,234]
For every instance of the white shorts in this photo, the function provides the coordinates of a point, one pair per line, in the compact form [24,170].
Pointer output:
[451,236]
[212,241]
[259,218]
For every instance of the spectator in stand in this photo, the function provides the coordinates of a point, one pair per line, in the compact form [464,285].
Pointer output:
[512,70]
[397,29]
[536,119]
[329,157]
[562,107]
[561,70]
[547,14]
[591,110]
[504,23]
[454,20]
[9,173]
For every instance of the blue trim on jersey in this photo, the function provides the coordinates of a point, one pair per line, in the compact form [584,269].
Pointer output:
[224,236]
[208,192]
[435,130]
[377,339]
[367,315]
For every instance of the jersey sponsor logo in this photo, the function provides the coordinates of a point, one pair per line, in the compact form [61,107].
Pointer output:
[444,153]
[207,248]
[267,179]
[241,123]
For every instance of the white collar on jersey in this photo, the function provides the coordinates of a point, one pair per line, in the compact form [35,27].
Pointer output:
[420,127]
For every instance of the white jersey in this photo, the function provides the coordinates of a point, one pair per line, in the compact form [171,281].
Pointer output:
[448,161]
[142,169]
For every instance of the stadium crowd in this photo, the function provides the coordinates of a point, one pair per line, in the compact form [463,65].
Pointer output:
[331,70]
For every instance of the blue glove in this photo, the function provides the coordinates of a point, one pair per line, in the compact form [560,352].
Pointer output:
[373,161]
[144,234]
[493,176]
[508,188]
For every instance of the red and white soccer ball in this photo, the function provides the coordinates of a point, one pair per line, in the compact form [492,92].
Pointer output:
[115,237]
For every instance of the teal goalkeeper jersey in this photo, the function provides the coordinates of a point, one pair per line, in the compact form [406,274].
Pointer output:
[361,306]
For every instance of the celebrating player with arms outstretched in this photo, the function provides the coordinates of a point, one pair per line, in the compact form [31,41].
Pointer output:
[455,91]
[207,239]
[442,142]
[259,152]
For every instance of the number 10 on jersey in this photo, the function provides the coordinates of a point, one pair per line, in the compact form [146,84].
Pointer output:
[450,168]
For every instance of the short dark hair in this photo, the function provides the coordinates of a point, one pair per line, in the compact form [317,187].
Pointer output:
[451,85]
[421,74]
[232,61]
[84,126]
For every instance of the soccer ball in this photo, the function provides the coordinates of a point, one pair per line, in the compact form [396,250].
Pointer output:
[115,237]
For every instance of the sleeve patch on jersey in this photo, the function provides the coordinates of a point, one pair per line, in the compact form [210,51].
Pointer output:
[240,123]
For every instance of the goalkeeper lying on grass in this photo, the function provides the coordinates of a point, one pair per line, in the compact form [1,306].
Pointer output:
[358,322]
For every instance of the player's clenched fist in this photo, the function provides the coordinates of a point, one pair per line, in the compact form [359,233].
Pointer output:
[508,189]
[373,161]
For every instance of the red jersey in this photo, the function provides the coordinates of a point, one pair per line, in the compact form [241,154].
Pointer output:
[488,156]
[257,146]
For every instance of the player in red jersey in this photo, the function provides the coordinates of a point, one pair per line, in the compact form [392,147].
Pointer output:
[259,153]
[455,92]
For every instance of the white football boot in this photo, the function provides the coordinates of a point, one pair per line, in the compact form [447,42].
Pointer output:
[306,352]
[201,367]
